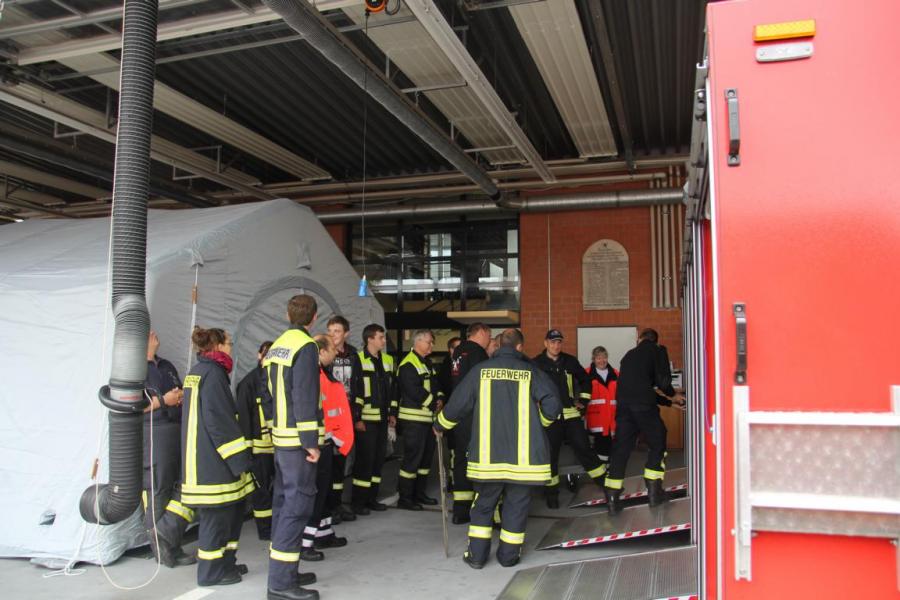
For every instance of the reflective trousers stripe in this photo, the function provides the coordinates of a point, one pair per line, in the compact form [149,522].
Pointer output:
[284,556]
[512,538]
[262,514]
[598,472]
[210,554]
[477,531]
[423,471]
[651,474]
[407,474]
[362,483]
[233,545]
[614,484]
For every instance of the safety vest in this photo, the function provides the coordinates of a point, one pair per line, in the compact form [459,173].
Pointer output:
[600,416]
[410,408]
[336,413]
[278,363]
[371,402]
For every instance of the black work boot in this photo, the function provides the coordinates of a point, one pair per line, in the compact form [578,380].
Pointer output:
[553,500]
[613,500]
[655,492]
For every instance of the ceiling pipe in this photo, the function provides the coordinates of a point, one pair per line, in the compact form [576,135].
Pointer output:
[631,198]
[454,190]
[333,46]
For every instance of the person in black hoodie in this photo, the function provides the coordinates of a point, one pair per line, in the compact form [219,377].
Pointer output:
[574,388]
[340,370]
[254,406]
[466,356]
[645,382]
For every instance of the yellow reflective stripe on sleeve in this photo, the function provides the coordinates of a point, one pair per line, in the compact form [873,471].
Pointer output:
[571,413]
[524,431]
[484,422]
[407,474]
[651,474]
[512,538]
[427,402]
[544,420]
[360,401]
[464,495]
[477,531]
[210,554]
[445,422]
[598,472]
[262,514]
[233,447]
[205,494]
[176,507]
[554,481]
[585,395]
[613,484]
[362,483]
[283,556]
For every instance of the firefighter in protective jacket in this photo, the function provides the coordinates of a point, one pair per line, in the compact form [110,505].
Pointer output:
[420,396]
[511,402]
[215,460]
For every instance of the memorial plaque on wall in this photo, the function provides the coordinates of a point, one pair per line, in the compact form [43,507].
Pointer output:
[604,276]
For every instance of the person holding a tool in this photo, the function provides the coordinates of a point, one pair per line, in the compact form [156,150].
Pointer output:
[510,402]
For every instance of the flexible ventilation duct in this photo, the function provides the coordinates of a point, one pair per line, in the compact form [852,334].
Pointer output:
[124,396]
[324,38]
[532,204]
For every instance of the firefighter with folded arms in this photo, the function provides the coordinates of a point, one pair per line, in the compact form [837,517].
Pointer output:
[420,397]
[511,402]
[292,374]
[215,460]
[374,407]
[574,389]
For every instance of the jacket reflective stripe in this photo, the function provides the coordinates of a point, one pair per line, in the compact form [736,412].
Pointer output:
[524,421]
[422,415]
[279,358]
[200,495]
[544,420]
[531,473]
[423,371]
[484,422]
[569,385]
[445,422]
[594,402]
[233,447]
[191,382]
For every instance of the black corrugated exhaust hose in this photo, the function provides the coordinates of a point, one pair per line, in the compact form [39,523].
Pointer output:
[303,18]
[124,396]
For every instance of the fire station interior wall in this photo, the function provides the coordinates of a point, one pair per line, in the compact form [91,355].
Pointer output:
[56,335]
[557,302]
[616,340]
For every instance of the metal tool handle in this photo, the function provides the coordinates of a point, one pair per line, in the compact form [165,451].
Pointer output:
[442,471]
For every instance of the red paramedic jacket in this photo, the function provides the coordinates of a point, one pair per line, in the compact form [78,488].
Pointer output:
[336,412]
[600,416]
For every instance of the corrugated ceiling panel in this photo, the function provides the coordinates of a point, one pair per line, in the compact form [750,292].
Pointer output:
[553,33]
[412,50]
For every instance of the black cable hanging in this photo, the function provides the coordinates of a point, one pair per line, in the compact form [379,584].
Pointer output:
[363,283]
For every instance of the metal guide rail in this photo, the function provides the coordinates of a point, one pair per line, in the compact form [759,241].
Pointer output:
[634,488]
[636,521]
[654,575]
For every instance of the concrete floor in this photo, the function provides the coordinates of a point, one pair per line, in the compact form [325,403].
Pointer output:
[395,554]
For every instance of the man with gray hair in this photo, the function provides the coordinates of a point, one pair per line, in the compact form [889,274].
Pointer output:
[420,397]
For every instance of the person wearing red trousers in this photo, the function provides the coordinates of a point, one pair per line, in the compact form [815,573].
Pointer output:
[600,415]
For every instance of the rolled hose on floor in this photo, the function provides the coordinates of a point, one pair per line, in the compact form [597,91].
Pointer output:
[124,396]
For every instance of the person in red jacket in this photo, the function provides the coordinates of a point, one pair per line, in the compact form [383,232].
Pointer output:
[335,430]
[600,416]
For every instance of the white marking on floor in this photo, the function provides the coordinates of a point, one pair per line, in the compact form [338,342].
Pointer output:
[195,594]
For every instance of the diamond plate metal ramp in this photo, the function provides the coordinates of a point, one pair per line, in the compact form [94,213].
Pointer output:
[634,489]
[636,521]
[651,575]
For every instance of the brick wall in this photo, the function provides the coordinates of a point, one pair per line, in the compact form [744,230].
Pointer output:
[571,233]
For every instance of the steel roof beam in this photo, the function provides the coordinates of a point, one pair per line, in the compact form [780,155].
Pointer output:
[33,175]
[167,31]
[431,18]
